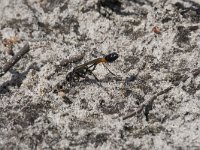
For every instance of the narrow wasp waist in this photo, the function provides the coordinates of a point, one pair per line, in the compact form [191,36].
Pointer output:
[93,62]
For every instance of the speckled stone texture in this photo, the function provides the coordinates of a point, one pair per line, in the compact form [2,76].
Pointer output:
[158,42]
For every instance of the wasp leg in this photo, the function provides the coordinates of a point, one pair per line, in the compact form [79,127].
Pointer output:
[70,78]
[90,71]
[81,74]
[94,67]
[109,70]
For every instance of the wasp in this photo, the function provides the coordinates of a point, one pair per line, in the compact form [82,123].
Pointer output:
[81,71]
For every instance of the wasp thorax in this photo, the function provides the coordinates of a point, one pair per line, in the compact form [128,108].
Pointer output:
[111,57]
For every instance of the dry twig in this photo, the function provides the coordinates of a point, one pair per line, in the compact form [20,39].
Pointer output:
[147,103]
[15,59]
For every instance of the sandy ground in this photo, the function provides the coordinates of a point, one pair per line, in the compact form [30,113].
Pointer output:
[158,43]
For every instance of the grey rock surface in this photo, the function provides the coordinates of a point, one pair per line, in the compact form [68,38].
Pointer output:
[158,43]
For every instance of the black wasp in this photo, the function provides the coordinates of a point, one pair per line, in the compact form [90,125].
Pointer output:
[88,68]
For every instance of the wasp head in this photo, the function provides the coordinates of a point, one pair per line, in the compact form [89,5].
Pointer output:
[111,57]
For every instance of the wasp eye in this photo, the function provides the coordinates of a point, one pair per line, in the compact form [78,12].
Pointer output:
[111,57]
